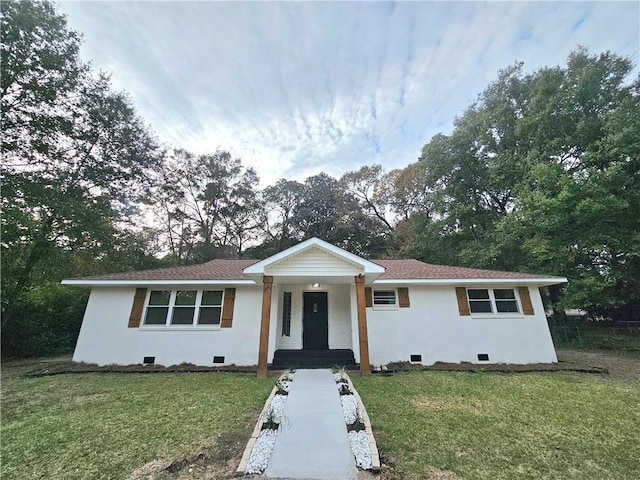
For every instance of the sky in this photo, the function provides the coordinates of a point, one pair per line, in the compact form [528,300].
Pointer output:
[299,88]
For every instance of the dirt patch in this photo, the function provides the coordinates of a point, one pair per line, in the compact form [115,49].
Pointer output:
[64,365]
[495,367]
[435,473]
[148,470]
[217,462]
[388,472]
[431,404]
[475,406]
[622,366]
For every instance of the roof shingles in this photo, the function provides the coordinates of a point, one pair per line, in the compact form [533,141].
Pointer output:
[395,270]
[415,269]
[213,270]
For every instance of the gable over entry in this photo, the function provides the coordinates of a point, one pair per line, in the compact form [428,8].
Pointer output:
[313,262]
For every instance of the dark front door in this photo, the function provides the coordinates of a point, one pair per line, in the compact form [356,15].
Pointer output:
[315,323]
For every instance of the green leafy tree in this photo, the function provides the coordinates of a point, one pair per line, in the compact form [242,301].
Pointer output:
[541,174]
[577,205]
[316,213]
[472,173]
[76,160]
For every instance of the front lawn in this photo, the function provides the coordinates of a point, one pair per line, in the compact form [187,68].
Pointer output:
[94,426]
[449,425]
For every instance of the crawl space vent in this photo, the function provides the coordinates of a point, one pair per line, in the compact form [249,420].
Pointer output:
[483,357]
[149,360]
[416,358]
[218,359]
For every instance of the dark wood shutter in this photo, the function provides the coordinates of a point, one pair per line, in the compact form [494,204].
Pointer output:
[227,307]
[136,309]
[525,300]
[403,297]
[463,302]
[368,297]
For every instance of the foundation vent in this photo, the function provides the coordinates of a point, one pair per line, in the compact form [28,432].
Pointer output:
[217,359]
[483,357]
[149,360]
[416,358]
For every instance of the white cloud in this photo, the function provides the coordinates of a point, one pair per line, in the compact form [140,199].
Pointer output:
[298,88]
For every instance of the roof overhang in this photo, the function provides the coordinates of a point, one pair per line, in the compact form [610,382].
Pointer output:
[540,282]
[151,283]
[370,270]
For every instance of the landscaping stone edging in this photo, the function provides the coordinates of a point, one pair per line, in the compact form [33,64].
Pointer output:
[373,446]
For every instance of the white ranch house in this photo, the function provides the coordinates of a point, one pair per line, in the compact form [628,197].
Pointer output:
[314,303]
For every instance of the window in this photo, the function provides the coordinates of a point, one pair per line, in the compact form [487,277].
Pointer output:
[210,308]
[384,298]
[158,308]
[497,300]
[479,301]
[286,314]
[184,307]
[505,300]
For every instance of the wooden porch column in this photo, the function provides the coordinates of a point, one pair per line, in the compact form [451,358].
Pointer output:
[365,368]
[267,282]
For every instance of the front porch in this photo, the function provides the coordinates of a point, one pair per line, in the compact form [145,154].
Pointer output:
[313,305]
[313,324]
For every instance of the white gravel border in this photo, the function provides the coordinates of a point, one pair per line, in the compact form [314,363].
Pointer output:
[361,449]
[349,408]
[261,451]
[259,447]
[363,443]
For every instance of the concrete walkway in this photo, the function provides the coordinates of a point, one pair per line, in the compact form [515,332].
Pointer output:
[313,441]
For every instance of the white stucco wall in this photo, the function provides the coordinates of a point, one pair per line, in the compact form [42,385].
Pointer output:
[432,327]
[105,338]
[339,316]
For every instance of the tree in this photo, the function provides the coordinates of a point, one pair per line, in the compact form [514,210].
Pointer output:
[365,187]
[76,160]
[471,175]
[541,174]
[578,203]
[280,202]
[407,192]
[208,206]
[315,214]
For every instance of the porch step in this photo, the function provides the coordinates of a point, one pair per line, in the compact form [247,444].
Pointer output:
[313,359]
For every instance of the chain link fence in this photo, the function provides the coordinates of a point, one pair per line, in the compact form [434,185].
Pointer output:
[606,335]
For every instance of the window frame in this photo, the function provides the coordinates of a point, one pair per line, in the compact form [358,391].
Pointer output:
[394,306]
[494,306]
[194,325]
[286,332]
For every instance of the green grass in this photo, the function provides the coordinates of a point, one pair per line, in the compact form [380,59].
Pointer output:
[103,426]
[494,426]
[602,340]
